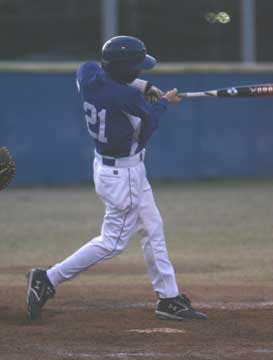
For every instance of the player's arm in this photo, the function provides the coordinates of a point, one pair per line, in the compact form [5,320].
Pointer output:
[150,91]
[150,113]
[85,72]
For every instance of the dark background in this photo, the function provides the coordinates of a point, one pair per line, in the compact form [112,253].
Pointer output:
[174,30]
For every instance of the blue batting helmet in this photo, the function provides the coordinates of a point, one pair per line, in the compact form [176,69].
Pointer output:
[125,56]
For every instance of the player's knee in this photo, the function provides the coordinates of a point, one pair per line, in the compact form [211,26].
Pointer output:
[121,247]
[115,245]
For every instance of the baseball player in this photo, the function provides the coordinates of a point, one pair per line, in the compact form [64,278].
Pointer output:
[121,122]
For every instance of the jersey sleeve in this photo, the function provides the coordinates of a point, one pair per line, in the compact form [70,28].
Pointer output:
[149,113]
[86,72]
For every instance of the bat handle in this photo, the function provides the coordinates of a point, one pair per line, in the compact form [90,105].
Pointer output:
[198,94]
[191,94]
[181,95]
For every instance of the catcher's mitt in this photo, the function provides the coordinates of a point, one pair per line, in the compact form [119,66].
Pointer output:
[7,167]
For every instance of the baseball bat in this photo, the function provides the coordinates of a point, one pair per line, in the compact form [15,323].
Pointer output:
[237,91]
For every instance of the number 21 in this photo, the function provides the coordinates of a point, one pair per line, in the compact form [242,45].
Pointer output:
[92,117]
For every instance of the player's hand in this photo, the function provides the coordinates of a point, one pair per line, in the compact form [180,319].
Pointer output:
[154,93]
[171,96]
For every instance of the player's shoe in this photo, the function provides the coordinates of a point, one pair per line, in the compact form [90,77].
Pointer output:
[178,308]
[39,290]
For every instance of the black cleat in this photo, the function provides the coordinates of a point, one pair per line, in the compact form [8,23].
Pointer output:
[178,308]
[39,290]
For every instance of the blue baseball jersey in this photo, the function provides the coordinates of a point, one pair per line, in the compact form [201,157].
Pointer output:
[118,117]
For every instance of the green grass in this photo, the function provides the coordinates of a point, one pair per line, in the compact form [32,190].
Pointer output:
[216,231]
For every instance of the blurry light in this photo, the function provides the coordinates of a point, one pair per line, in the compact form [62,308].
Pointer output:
[222,17]
[210,17]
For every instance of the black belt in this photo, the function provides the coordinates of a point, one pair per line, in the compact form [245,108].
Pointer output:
[108,162]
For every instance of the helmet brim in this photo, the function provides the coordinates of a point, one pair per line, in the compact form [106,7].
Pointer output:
[148,63]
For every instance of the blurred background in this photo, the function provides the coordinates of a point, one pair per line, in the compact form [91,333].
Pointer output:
[199,44]
[180,30]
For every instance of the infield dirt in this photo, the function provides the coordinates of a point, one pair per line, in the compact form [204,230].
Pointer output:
[104,321]
[220,241]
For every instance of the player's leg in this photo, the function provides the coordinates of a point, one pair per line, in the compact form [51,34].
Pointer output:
[116,231]
[150,227]
[171,305]
[121,191]
[121,195]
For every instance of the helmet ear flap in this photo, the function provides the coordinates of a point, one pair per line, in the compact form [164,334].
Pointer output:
[122,72]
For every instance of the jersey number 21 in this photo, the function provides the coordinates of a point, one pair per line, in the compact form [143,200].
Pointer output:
[93,117]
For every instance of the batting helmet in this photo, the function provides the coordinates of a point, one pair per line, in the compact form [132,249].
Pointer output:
[124,57]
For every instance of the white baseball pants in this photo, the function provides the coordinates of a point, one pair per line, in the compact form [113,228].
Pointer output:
[130,207]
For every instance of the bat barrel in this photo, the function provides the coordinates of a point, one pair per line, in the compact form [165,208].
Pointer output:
[247,91]
[238,91]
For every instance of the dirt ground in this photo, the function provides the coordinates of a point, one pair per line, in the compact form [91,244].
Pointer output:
[220,241]
[110,321]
